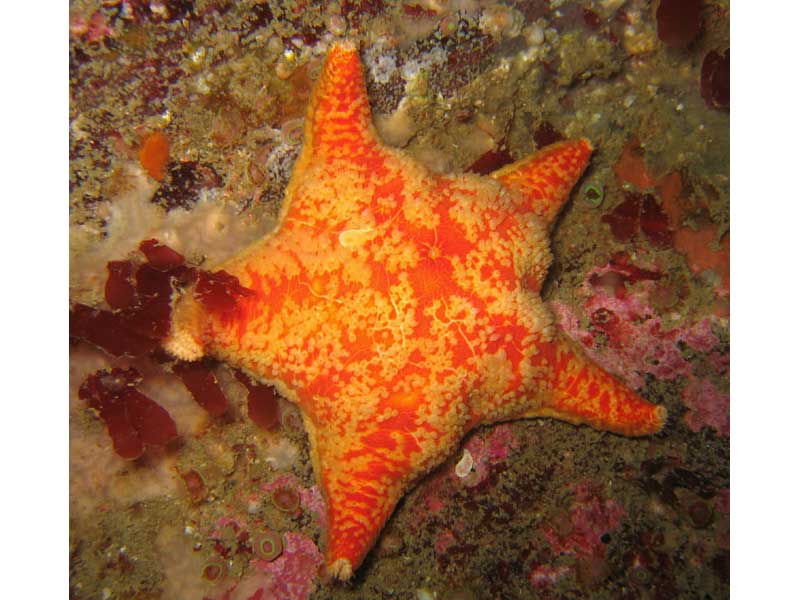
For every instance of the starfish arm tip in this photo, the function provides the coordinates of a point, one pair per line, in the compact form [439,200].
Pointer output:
[344,45]
[652,422]
[546,177]
[184,340]
[183,346]
[581,392]
[339,120]
[341,569]
[649,419]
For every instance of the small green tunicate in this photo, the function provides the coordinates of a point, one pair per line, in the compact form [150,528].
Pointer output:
[593,194]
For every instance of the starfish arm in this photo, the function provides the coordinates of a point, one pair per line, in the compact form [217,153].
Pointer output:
[342,159]
[544,179]
[580,392]
[363,473]
[339,120]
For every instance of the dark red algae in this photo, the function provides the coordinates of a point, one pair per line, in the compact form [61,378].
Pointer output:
[491,161]
[120,292]
[678,22]
[545,134]
[591,18]
[220,291]
[640,213]
[140,297]
[262,402]
[415,10]
[620,273]
[109,331]
[133,419]
[715,79]
[200,380]
[160,256]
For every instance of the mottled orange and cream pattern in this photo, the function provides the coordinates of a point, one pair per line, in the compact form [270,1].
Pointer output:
[400,309]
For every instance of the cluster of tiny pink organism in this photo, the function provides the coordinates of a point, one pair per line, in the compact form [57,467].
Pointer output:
[583,531]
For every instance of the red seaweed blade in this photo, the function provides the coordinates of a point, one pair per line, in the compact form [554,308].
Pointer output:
[160,256]
[262,402]
[715,79]
[678,22]
[119,290]
[200,380]
[132,418]
[220,291]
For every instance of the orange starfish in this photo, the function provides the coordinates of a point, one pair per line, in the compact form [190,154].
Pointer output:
[399,309]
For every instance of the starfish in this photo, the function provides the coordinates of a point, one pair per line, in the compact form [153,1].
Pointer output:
[400,309]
